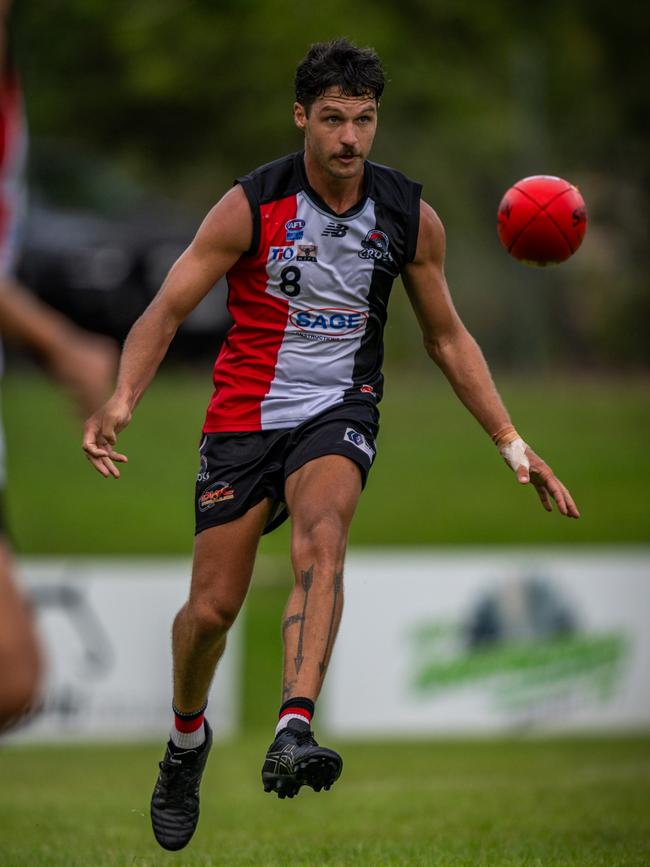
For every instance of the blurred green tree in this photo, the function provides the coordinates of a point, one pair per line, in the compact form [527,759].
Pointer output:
[190,93]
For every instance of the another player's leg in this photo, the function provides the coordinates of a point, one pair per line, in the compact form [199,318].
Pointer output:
[20,664]
[322,497]
[223,564]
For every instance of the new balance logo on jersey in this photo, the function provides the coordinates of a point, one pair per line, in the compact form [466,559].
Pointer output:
[335,230]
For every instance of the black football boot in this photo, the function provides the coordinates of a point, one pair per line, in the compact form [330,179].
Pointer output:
[175,799]
[294,759]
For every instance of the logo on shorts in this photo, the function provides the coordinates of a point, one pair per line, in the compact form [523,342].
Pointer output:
[218,492]
[358,440]
[307,252]
[203,475]
[375,246]
[294,229]
[367,389]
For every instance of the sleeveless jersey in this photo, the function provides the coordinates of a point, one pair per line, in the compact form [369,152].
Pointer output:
[309,299]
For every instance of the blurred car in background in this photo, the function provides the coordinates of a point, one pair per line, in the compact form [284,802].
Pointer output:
[97,247]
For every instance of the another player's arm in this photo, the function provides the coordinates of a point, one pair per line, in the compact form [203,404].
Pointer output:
[457,354]
[223,236]
[84,362]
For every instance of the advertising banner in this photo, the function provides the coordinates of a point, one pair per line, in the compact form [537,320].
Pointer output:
[495,640]
[105,626]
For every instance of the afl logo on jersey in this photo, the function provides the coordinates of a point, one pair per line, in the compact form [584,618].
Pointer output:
[329,321]
[375,246]
[295,229]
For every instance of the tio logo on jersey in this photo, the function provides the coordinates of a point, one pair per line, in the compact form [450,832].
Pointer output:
[281,254]
[329,321]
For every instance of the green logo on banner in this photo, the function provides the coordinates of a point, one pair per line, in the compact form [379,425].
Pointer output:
[522,643]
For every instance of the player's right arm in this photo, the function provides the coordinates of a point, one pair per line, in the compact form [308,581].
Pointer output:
[225,234]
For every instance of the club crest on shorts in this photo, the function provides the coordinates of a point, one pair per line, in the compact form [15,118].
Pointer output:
[218,492]
[358,440]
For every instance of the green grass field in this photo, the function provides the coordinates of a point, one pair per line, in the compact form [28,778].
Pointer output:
[582,803]
[437,480]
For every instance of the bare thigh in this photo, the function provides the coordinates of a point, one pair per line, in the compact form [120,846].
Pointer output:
[224,557]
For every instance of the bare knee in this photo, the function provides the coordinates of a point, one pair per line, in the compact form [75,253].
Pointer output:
[320,538]
[210,618]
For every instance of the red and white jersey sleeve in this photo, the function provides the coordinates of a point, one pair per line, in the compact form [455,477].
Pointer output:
[309,300]
[13,151]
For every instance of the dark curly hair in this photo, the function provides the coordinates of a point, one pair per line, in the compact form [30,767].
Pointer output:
[339,63]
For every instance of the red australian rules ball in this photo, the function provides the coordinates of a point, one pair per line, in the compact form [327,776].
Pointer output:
[542,220]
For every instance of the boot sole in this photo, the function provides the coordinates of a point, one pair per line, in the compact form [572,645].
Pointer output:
[318,772]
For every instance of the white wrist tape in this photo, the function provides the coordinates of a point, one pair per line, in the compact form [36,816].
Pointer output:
[514,454]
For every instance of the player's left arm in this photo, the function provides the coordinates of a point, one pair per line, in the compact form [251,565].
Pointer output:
[457,354]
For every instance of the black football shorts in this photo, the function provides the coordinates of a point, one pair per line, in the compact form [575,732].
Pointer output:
[238,470]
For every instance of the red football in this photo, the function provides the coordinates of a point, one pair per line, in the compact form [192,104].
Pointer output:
[542,220]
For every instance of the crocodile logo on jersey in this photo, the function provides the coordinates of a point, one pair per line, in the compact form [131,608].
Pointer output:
[295,229]
[375,246]
[335,230]
[328,322]
[307,253]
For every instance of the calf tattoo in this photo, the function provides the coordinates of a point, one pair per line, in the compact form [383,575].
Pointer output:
[306,580]
[338,586]
[287,689]
[293,618]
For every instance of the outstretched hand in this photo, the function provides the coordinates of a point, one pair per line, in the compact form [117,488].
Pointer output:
[100,436]
[531,469]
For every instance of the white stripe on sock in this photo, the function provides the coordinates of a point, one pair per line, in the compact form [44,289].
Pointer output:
[282,722]
[188,740]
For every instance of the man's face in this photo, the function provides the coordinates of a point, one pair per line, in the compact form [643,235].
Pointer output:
[339,131]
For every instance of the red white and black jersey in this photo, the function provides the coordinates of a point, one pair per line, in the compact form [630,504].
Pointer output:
[13,150]
[309,299]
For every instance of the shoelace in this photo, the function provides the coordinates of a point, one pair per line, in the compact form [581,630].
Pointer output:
[306,737]
[171,771]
